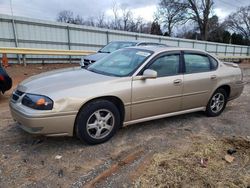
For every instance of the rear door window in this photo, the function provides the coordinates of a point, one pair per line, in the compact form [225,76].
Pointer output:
[195,63]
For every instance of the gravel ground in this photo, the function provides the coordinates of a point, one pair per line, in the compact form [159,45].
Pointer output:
[32,161]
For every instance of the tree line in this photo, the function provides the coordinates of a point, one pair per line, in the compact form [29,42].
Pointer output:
[190,19]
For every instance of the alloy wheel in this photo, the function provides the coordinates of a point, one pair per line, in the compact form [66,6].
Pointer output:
[100,123]
[217,102]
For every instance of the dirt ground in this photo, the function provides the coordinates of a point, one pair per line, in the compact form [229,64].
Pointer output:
[162,153]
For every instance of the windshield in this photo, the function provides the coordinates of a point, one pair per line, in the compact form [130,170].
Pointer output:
[113,46]
[120,63]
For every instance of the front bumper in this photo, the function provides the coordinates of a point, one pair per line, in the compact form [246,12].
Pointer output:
[60,124]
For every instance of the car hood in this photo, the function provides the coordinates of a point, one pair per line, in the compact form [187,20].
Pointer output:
[95,57]
[55,81]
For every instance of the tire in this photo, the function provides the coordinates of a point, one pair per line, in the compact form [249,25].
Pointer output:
[217,103]
[97,122]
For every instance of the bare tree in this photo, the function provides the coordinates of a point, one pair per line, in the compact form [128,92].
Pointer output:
[100,20]
[127,18]
[240,21]
[66,16]
[116,24]
[156,28]
[145,27]
[90,21]
[174,12]
[136,25]
[78,20]
[123,19]
[200,11]
[171,13]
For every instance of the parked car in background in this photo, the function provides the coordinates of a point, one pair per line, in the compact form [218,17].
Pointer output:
[5,80]
[111,47]
[131,85]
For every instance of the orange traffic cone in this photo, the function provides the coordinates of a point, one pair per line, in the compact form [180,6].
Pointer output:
[5,61]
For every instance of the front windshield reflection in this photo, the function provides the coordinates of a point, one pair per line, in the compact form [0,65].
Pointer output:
[120,63]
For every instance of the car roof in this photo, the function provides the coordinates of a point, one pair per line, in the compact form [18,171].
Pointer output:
[139,42]
[160,48]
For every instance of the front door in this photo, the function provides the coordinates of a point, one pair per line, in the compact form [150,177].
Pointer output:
[161,95]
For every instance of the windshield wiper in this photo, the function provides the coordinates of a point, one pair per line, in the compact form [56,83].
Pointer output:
[102,72]
[103,51]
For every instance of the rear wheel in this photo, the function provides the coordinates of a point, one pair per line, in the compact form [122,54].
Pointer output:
[97,122]
[217,103]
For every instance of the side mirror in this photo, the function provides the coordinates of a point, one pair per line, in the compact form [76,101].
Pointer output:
[149,73]
[82,62]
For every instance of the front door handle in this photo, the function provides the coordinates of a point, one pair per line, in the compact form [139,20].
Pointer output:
[177,82]
[213,77]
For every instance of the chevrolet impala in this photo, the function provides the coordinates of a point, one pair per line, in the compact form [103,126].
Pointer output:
[130,85]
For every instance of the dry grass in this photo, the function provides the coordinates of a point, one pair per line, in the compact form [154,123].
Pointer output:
[182,167]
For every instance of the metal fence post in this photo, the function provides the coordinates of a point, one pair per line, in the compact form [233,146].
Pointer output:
[205,46]
[24,60]
[15,38]
[69,42]
[226,50]
[107,37]
[216,49]
[136,37]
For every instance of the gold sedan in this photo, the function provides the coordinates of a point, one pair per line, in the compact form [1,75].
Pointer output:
[129,86]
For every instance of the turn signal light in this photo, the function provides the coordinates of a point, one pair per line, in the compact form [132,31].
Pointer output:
[41,102]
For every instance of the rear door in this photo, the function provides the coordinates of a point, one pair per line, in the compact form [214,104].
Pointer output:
[200,77]
[161,95]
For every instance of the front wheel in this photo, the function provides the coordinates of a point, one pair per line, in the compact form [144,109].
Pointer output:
[217,103]
[97,122]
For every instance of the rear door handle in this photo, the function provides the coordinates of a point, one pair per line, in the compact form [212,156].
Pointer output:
[177,82]
[213,77]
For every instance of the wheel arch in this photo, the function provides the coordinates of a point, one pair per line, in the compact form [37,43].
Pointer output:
[227,88]
[115,100]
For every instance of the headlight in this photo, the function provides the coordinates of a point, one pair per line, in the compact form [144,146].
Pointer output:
[38,102]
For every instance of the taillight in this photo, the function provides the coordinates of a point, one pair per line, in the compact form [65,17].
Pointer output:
[1,78]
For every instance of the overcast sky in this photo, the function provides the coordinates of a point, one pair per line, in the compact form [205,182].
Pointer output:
[48,9]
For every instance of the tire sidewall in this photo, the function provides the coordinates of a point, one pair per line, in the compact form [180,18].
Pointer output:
[209,112]
[86,112]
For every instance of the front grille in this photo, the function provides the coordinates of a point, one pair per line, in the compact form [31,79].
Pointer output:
[15,97]
[20,93]
[16,94]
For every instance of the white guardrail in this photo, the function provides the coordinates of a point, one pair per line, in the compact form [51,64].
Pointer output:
[35,51]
